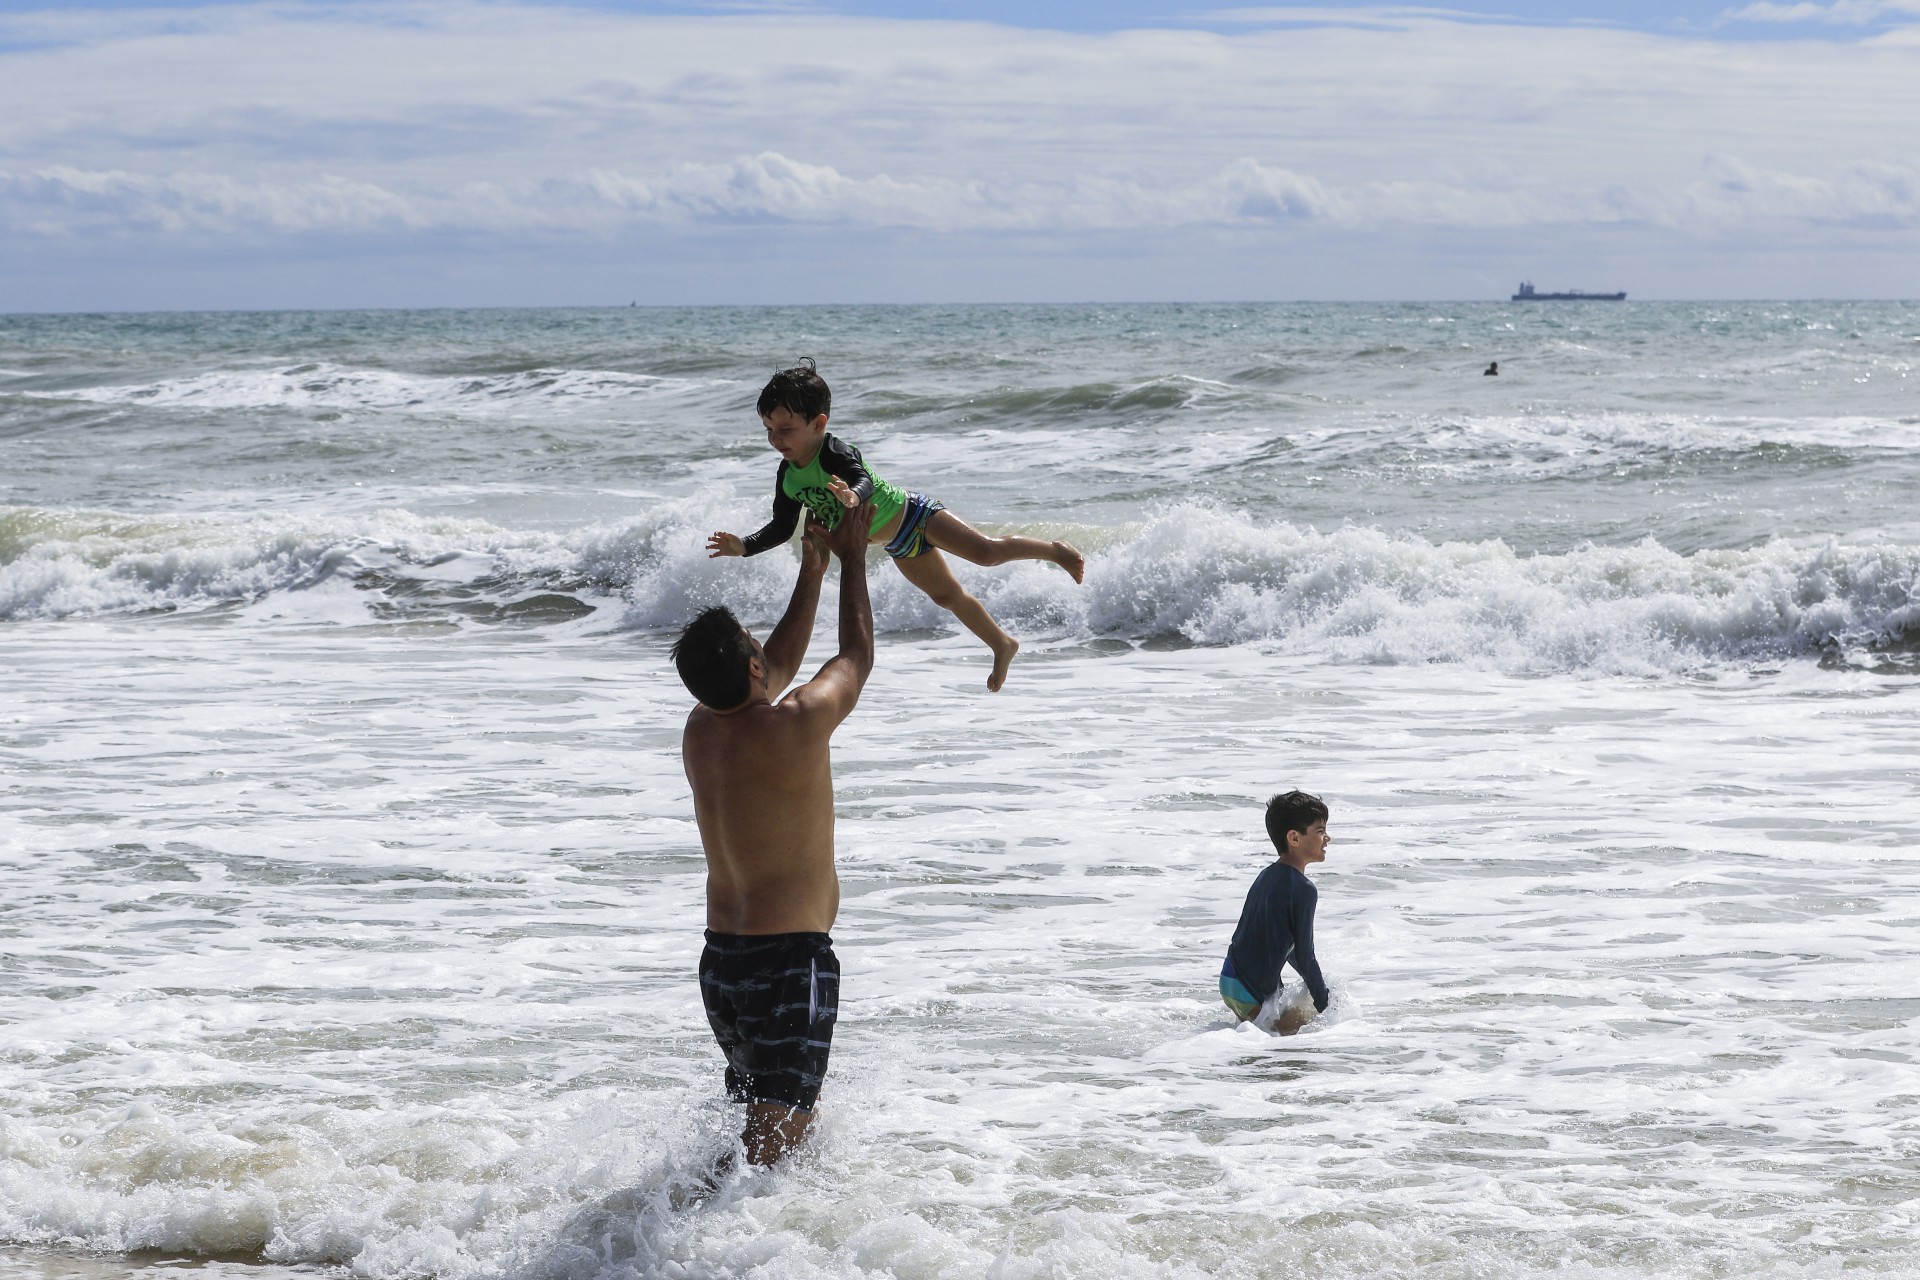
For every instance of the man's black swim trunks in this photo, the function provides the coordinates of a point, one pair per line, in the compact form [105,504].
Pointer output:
[771,1000]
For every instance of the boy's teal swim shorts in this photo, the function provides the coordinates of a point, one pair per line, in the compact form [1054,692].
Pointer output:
[1240,1000]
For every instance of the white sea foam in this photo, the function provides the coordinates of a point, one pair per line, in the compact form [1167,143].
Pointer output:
[1364,595]
[64,564]
[328,386]
[1640,437]
[1208,576]
[381,956]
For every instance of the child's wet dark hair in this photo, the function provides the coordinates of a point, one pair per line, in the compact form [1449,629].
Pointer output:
[712,655]
[1292,811]
[800,390]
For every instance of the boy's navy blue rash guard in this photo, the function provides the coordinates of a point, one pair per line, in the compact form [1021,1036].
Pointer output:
[836,458]
[1276,926]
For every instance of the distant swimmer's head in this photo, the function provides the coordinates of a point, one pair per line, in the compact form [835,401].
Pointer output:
[794,406]
[718,661]
[1297,825]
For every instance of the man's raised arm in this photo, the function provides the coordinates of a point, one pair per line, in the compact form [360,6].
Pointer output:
[837,686]
[787,646]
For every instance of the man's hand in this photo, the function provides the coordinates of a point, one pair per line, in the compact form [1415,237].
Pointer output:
[725,544]
[787,646]
[828,698]
[813,549]
[849,537]
[840,489]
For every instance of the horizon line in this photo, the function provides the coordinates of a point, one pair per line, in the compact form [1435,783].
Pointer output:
[816,306]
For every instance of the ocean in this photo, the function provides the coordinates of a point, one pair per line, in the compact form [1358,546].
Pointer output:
[354,895]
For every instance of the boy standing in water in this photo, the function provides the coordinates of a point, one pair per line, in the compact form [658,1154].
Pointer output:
[1276,924]
[826,476]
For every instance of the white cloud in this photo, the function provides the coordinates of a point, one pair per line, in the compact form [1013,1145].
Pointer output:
[65,200]
[770,188]
[395,123]
[1864,195]
[1856,13]
[1380,16]
[1254,191]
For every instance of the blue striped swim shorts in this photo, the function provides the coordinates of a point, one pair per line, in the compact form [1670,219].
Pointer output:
[910,539]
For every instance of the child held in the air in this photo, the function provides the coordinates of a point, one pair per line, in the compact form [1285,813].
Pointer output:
[825,475]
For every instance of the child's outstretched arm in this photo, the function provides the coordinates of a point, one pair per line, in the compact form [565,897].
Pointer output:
[776,532]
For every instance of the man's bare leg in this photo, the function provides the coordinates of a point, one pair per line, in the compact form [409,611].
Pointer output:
[773,1130]
[930,573]
[949,532]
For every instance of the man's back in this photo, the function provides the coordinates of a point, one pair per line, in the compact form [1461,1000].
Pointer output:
[762,779]
[763,794]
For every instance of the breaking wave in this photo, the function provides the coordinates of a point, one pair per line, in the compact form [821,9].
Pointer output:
[1192,574]
[329,386]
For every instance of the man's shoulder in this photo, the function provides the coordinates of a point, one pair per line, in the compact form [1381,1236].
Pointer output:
[705,718]
[812,711]
[803,699]
[746,714]
[787,721]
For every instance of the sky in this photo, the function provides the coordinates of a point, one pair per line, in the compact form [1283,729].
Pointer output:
[285,154]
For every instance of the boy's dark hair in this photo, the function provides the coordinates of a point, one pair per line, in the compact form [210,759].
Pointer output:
[1294,811]
[712,655]
[799,390]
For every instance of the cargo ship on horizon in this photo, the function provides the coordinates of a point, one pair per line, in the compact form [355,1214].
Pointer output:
[1528,294]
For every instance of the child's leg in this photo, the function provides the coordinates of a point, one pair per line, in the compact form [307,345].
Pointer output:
[930,573]
[949,532]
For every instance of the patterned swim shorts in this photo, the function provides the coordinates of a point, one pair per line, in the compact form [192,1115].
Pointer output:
[910,539]
[771,1000]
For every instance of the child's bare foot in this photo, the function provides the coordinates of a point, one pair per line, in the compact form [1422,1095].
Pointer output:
[1002,659]
[1072,561]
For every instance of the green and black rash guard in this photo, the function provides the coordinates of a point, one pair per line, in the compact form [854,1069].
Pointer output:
[795,488]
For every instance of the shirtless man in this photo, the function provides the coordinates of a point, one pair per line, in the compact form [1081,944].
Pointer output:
[763,795]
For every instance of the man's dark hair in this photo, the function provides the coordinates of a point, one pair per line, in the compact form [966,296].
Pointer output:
[1294,811]
[799,390]
[712,655]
